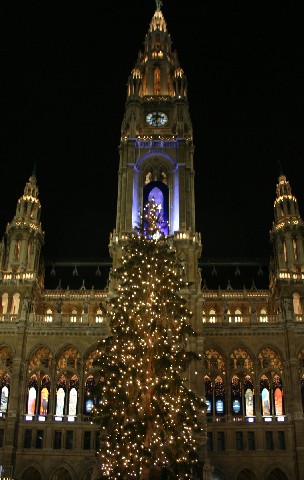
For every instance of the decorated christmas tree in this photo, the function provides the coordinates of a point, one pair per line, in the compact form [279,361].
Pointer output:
[149,418]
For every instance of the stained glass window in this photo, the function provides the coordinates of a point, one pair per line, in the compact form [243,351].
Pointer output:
[4,391]
[249,396]
[277,395]
[265,396]
[73,396]
[60,395]
[44,395]
[32,395]
[219,393]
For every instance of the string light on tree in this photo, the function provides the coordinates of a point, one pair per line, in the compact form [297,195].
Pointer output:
[148,417]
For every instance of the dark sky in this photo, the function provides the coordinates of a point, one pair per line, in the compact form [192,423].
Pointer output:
[64,68]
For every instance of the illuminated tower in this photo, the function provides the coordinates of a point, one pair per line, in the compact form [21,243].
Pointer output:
[156,148]
[24,237]
[287,236]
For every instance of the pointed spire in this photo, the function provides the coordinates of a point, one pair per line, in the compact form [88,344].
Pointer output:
[280,166]
[285,203]
[24,233]
[159,4]
[31,188]
[287,232]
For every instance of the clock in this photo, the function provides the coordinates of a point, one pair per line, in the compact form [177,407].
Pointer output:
[156,119]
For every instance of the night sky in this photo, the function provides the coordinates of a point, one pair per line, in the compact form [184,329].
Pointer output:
[64,69]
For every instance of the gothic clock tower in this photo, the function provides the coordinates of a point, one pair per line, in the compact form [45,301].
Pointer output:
[156,149]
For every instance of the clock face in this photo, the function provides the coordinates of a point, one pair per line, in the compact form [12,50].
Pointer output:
[156,119]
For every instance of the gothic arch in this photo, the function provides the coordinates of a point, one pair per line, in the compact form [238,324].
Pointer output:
[7,354]
[33,472]
[90,355]
[218,474]
[155,153]
[40,356]
[276,473]
[269,358]
[64,472]
[214,359]
[246,474]
[87,472]
[68,357]
[241,360]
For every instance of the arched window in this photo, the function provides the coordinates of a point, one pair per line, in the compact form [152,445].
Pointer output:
[236,395]
[263,316]
[49,315]
[229,315]
[212,315]
[74,316]
[295,250]
[32,395]
[4,303]
[203,317]
[15,304]
[238,316]
[60,396]
[4,391]
[208,395]
[89,394]
[160,192]
[99,317]
[219,394]
[248,396]
[93,393]
[17,249]
[44,395]
[157,81]
[73,395]
[277,395]
[265,396]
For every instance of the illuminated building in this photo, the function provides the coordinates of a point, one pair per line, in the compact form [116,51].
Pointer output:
[250,336]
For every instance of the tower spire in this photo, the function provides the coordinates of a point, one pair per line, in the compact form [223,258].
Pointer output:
[280,167]
[156,148]
[287,234]
[24,234]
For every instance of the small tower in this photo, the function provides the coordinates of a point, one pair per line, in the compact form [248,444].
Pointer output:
[287,236]
[24,236]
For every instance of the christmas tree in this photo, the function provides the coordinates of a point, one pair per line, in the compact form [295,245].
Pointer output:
[148,417]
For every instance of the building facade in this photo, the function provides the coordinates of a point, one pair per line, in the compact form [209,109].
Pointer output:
[250,336]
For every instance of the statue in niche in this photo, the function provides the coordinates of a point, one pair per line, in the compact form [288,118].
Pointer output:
[25,306]
[59,305]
